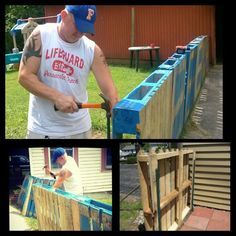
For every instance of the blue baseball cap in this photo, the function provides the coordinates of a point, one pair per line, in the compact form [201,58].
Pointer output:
[57,153]
[85,17]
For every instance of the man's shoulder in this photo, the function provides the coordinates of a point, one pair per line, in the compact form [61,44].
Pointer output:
[87,40]
[47,27]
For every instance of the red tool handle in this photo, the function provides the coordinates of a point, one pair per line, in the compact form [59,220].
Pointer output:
[89,105]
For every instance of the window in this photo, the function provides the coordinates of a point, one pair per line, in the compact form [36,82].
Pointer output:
[69,152]
[106,159]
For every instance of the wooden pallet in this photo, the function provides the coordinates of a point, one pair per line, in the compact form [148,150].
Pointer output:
[165,185]
[59,210]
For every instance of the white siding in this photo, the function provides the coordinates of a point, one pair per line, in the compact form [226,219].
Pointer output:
[90,166]
[212,174]
[94,180]
[37,162]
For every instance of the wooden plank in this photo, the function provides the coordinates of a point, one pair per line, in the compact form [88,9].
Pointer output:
[27,198]
[145,194]
[164,155]
[168,190]
[75,214]
[185,185]
[185,212]
[213,205]
[65,213]
[187,151]
[173,186]
[161,166]
[36,202]
[180,197]
[153,165]
[168,198]
[142,158]
[56,211]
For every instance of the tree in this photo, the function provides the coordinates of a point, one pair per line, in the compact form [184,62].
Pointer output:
[12,14]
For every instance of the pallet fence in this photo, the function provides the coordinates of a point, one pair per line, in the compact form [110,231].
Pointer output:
[160,105]
[59,210]
[25,200]
[165,188]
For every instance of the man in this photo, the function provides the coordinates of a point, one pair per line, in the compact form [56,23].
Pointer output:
[69,175]
[54,68]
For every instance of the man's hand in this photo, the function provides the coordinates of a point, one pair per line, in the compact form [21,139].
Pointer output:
[66,104]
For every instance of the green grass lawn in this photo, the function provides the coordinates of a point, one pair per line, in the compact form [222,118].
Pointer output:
[128,213]
[17,99]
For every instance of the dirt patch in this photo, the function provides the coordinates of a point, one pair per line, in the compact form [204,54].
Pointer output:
[98,135]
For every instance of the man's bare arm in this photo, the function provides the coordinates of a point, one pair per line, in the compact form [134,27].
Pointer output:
[63,174]
[29,67]
[103,76]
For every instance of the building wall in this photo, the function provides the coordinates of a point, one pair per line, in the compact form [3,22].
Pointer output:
[36,156]
[165,26]
[212,174]
[90,165]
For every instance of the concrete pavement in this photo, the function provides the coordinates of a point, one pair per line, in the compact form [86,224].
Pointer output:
[16,220]
[206,120]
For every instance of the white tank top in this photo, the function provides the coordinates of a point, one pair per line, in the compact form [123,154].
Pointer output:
[73,184]
[65,67]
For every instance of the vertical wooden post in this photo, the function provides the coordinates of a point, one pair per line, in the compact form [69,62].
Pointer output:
[180,187]
[65,213]
[75,214]
[152,170]
[14,40]
[145,191]
[132,25]
[193,176]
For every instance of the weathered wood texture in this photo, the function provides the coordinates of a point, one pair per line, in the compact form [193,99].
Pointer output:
[212,174]
[59,210]
[165,188]
[25,200]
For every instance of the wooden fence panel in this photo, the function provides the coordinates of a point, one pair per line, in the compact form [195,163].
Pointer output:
[172,187]
[59,210]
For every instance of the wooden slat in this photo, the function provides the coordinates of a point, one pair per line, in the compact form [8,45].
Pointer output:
[27,198]
[164,155]
[161,166]
[168,198]
[168,190]
[180,197]
[145,194]
[153,184]
[173,186]
[187,151]
[143,158]
[75,214]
